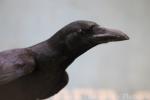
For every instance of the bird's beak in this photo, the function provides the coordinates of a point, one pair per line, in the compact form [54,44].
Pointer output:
[103,35]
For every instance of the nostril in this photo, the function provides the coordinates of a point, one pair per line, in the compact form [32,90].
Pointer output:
[99,30]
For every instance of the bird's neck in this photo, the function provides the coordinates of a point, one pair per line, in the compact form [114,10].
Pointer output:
[51,54]
[56,53]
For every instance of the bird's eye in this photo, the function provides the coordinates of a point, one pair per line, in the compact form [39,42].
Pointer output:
[80,30]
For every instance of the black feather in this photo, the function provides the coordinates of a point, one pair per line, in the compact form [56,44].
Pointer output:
[38,72]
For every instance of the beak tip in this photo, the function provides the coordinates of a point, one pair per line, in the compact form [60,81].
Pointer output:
[125,37]
[120,36]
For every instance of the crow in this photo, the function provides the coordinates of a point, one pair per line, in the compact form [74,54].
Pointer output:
[39,71]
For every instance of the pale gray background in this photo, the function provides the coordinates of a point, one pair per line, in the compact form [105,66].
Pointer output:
[121,65]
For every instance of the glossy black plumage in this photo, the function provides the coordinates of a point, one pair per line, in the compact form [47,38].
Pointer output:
[38,72]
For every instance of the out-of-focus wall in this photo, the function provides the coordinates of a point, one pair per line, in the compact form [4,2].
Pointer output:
[122,66]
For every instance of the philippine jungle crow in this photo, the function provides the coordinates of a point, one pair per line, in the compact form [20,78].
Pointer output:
[38,72]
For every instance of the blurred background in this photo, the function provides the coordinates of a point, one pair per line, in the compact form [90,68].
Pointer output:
[113,71]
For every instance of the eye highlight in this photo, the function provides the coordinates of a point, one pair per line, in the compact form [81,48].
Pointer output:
[80,30]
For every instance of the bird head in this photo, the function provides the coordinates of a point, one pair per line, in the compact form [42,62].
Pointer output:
[83,35]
